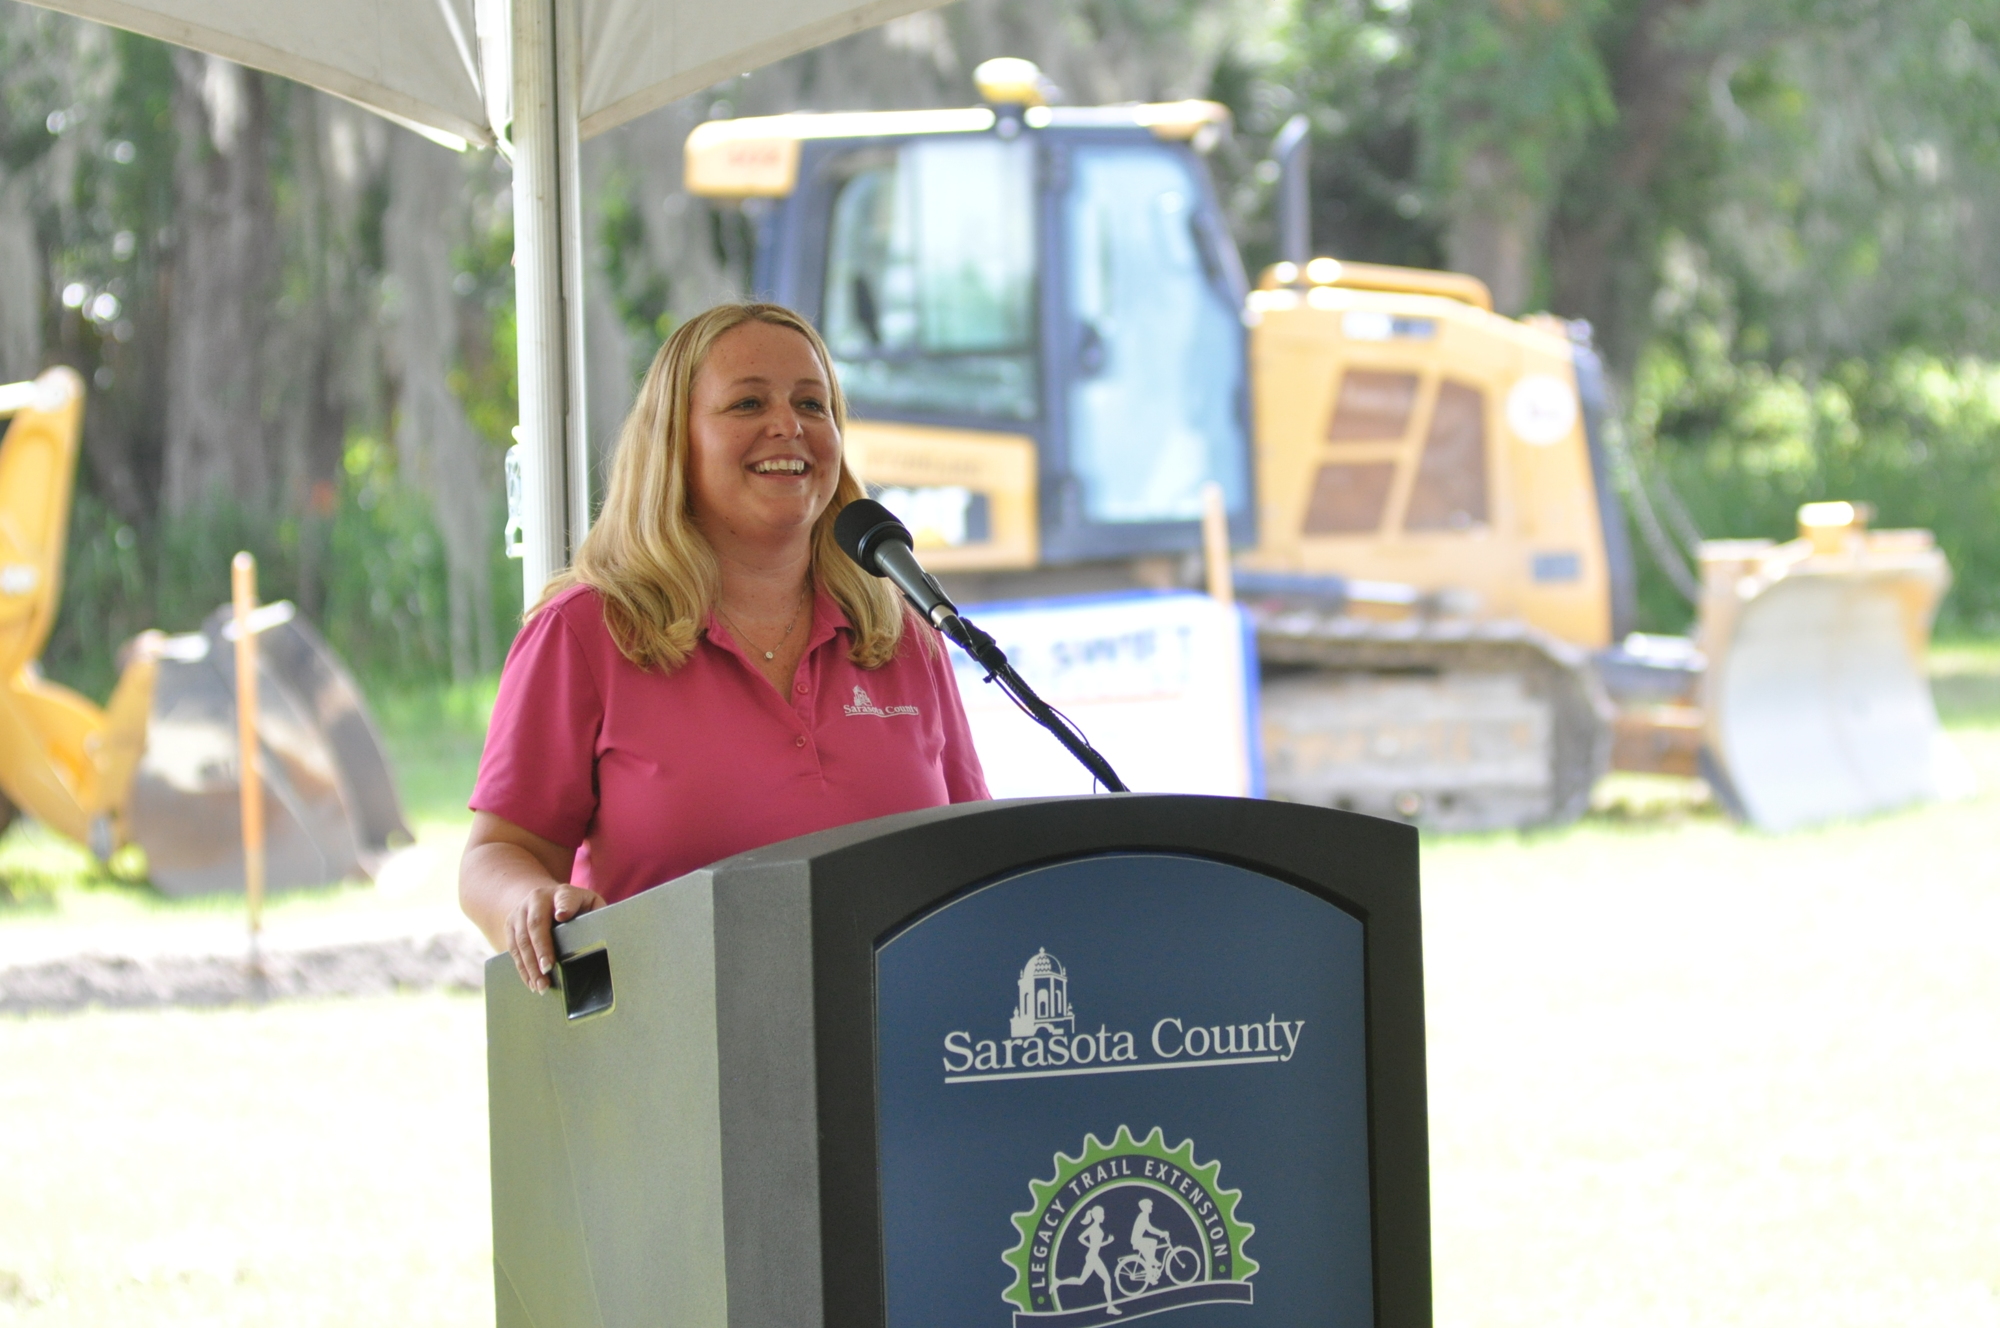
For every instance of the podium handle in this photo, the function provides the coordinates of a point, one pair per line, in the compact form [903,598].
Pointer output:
[585,982]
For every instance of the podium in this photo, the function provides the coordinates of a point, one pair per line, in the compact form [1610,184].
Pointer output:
[1038,1064]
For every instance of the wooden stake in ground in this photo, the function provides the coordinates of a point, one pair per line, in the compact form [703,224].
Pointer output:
[1215,543]
[243,595]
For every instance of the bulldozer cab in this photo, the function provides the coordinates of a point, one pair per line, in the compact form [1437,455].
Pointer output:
[1035,312]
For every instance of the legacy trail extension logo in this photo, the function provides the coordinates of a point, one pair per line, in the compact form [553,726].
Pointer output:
[1044,1040]
[1124,1230]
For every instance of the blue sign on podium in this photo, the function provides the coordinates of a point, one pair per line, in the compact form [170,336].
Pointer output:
[1125,1085]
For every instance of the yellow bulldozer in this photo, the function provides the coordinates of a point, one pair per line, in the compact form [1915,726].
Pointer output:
[158,765]
[1052,353]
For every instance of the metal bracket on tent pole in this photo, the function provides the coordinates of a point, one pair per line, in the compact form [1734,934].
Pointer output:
[514,536]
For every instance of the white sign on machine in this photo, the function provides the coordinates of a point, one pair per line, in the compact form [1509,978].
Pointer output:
[1163,684]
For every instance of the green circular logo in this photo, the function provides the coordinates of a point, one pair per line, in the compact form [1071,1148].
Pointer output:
[1128,1227]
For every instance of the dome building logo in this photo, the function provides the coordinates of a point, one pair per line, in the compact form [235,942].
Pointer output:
[1125,1230]
[1044,999]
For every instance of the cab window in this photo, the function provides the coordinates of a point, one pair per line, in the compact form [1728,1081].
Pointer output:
[930,280]
[1450,491]
[1157,340]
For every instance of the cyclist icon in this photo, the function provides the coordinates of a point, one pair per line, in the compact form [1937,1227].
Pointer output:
[1141,1271]
[1145,1236]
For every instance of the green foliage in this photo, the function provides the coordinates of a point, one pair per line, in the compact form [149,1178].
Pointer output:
[1353,67]
[1421,109]
[91,146]
[107,599]
[1520,81]
[1914,434]
[385,603]
[380,571]
[32,92]
[1965,679]
[435,733]
[640,291]
[1840,188]
[486,379]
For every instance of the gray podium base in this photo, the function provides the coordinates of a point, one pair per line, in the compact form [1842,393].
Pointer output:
[723,995]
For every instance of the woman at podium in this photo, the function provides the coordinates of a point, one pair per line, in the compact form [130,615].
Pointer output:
[711,674]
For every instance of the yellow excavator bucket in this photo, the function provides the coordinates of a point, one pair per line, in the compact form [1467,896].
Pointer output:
[1817,703]
[158,766]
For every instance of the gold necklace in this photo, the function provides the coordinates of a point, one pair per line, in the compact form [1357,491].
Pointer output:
[744,636]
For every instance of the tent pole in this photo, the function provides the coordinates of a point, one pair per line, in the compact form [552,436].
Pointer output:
[548,273]
[569,146]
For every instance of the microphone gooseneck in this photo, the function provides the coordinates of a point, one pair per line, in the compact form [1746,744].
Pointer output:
[870,534]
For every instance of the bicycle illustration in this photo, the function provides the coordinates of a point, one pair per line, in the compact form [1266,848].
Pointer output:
[1140,1272]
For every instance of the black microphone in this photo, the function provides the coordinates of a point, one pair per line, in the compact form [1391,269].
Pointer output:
[870,534]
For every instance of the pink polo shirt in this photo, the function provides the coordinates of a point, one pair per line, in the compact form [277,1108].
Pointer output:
[654,774]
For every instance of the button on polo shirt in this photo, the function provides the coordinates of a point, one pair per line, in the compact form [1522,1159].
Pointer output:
[651,774]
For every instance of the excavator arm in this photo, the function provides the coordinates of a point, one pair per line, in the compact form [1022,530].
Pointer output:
[60,761]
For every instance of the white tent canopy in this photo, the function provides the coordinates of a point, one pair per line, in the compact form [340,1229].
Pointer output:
[536,77]
[443,64]
[638,55]
[413,60]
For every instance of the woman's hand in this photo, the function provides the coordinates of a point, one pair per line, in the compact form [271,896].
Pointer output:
[531,928]
[515,885]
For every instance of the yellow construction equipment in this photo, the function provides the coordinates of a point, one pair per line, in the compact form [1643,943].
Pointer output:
[1816,701]
[157,766]
[1051,350]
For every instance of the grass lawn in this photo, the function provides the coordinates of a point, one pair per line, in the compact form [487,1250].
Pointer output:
[298,1165]
[1681,1073]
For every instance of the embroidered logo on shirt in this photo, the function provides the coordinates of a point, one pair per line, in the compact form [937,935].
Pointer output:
[863,706]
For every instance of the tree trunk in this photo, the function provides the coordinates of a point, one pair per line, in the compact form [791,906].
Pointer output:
[20,284]
[436,445]
[222,285]
[322,333]
[1493,231]
[1591,248]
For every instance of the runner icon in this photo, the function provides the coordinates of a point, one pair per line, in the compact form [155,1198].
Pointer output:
[1093,1238]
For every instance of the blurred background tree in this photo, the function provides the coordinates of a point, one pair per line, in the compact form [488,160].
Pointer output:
[1779,217]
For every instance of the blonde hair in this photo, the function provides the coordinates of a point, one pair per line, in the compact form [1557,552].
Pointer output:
[646,559]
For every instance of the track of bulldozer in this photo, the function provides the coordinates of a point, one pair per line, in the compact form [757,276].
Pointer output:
[1456,725]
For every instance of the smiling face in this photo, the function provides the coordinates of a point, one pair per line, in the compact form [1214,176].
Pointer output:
[764,455]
